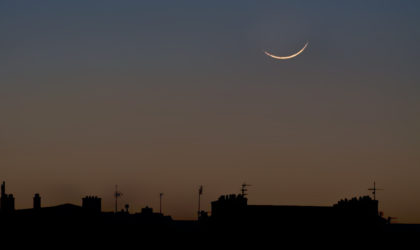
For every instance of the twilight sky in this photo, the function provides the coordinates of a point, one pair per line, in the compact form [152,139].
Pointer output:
[162,96]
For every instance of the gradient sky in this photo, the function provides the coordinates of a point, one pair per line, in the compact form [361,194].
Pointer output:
[163,96]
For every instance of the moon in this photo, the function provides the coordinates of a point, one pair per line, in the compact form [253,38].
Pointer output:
[287,57]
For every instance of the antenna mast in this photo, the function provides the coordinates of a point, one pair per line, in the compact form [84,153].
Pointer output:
[200,192]
[160,202]
[117,195]
[244,189]
[374,189]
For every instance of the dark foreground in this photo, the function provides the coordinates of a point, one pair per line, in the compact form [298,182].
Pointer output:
[88,230]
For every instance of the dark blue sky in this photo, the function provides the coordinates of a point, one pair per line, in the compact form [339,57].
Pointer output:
[162,96]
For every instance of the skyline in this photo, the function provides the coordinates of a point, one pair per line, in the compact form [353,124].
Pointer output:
[123,207]
[165,96]
[230,215]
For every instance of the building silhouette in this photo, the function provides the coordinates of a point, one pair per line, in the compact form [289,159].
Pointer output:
[231,215]
[147,214]
[92,204]
[147,210]
[362,205]
[234,211]
[7,200]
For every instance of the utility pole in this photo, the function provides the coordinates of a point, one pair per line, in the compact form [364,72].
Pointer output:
[160,202]
[374,189]
[117,195]
[200,192]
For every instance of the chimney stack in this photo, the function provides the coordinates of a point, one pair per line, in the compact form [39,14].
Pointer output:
[37,201]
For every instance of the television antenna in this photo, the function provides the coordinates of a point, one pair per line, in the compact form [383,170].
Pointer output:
[200,192]
[244,188]
[374,189]
[160,202]
[117,195]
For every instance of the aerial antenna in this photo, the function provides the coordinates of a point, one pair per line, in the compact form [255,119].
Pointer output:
[160,202]
[374,189]
[244,188]
[117,195]
[200,192]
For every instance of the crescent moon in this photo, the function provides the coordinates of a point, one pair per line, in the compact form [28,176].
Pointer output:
[287,57]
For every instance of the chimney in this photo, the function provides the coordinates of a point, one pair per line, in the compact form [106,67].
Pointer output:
[3,189]
[37,201]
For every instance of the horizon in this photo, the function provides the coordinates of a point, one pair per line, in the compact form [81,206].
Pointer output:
[165,96]
[137,209]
